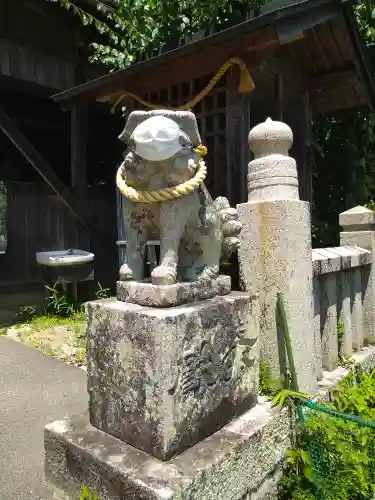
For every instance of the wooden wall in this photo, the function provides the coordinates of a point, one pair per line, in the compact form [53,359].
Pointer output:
[25,63]
[43,44]
[38,220]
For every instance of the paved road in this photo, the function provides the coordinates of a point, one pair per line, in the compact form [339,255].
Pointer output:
[34,390]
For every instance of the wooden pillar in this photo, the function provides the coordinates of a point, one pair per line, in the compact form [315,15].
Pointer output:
[307,164]
[237,131]
[280,97]
[78,167]
[78,151]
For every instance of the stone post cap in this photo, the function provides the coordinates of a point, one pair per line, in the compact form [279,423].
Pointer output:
[358,219]
[271,137]
[272,174]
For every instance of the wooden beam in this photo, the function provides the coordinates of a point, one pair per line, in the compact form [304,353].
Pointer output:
[78,152]
[280,97]
[33,122]
[237,147]
[44,170]
[294,38]
[279,65]
[307,192]
[334,79]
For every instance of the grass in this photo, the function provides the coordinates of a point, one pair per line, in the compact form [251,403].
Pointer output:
[75,322]
[59,331]
[55,336]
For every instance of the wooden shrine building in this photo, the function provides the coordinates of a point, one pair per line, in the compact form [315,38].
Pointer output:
[303,56]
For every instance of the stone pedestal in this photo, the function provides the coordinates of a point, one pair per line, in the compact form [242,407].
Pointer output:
[239,462]
[147,294]
[275,251]
[163,379]
[172,395]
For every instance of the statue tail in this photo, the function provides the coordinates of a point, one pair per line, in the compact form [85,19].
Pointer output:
[230,225]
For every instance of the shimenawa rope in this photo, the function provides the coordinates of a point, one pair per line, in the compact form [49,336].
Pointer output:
[246,86]
[161,194]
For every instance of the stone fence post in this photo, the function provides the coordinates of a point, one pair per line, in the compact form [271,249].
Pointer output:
[358,226]
[275,252]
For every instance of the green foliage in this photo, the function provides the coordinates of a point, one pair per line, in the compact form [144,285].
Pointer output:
[135,27]
[268,385]
[101,293]
[335,458]
[45,321]
[344,175]
[366,20]
[59,304]
[26,314]
[87,495]
[340,339]
[285,396]
[340,333]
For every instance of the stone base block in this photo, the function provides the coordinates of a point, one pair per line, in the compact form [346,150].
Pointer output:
[147,294]
[163,379]
[240,461]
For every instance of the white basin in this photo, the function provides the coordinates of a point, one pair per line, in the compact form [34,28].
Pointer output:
[61,258]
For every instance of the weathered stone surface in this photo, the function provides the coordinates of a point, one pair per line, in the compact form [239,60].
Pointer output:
[147,294]
[162,379]
[359,230]
[332,260]
[234,462]
[275,256]
[317,329]
[361,218]
[337,275]
[328,305]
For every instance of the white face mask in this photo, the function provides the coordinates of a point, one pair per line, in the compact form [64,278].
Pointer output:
[158,138]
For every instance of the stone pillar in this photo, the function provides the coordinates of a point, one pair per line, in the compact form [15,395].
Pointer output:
[275,250]
[358,226]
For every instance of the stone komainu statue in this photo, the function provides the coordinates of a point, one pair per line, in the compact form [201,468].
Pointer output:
[162,180]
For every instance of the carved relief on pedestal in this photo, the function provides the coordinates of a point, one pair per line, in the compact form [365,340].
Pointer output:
[211,364]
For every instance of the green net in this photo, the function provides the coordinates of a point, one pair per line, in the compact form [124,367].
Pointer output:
[341,448]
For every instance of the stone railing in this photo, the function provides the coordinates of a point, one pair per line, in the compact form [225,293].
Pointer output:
[329,293]
[338,314]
